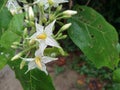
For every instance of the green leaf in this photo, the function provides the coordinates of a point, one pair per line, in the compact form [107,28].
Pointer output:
[8,38]
[116,75]
[118,47]
[95,37]
[3,61]
[14,31]
[115,86]
[5,55]
[5,18]
[2,4]
[34,79]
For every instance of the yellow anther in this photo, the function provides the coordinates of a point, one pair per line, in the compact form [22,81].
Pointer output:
[41,36]
[38,62]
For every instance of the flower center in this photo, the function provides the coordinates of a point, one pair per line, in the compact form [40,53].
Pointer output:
[38,62]
[42,36]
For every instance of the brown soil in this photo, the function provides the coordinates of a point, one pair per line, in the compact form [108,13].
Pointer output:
[66,80]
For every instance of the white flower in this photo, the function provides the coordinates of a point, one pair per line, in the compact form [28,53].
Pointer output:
[44,36]
[57,2]
[39,61]
[13,6]
[46,4]
[42,2]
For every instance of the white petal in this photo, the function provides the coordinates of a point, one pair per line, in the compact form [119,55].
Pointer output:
[31,65]
[38,53]
[48,29]
[52,42]
[37,1]
[33,36]
[41,1]
[42,47]
[61,1]
[46,6]
[39,28]
[13,6]
[47,59]
[44,1]
[44,68]
[56,4]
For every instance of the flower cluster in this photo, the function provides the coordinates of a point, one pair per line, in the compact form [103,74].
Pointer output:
[38,36]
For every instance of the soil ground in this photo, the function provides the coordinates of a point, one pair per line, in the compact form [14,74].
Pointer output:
[64,81]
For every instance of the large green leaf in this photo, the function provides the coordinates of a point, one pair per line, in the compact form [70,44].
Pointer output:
[2,4]
[5,18]
[95,37]
[14,31]
[34,79]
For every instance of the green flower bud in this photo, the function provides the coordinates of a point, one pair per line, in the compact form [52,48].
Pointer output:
[14,46]
[32,41]
[25,33]
[52,17]
[16,43]
[29,23]
[59,8]
[44,20]
[51,2]
[70,12]
[66,26]
[17,56]
[22,64]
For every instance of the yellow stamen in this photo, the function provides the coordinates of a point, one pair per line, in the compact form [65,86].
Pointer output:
[38,62]
[41,36]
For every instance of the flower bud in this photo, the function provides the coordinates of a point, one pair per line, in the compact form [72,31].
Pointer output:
[32,41]
[22,64]
[69,12]
[31,13]
[63,37]
[66,16]
[25,33]
[16,43]
[44,20]
[60,34]
[59,8]
[29,23]
[66,26]
[51,2]
[51,17]
[17,56]
[14,46]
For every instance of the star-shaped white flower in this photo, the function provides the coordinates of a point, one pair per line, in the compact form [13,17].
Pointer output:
[46,4]
[39,61]
[13,6]
[44,36]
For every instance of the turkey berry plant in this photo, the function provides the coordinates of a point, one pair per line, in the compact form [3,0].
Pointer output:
[29,38]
